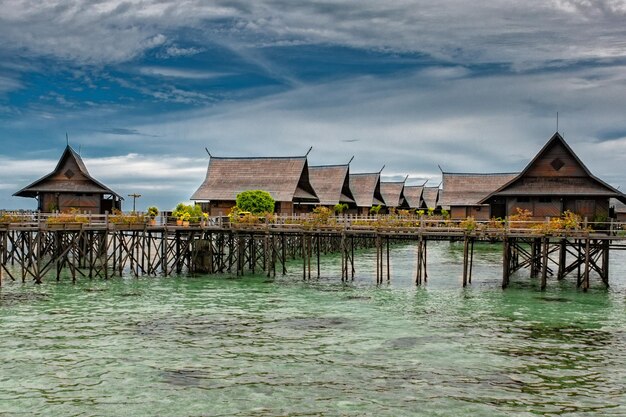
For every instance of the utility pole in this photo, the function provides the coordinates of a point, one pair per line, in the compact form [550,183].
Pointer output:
[135,196]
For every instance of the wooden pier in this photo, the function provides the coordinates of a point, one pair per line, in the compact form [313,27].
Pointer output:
[35,250]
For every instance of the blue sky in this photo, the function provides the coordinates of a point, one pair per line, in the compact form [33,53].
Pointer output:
[142,87]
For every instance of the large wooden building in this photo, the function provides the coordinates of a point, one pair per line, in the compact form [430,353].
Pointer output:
[285,178]
[366,191]
[332,185]
[70,186]
[554,181]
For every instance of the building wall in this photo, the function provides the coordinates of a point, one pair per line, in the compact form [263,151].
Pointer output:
[542,207]
[218,208]
[284,207]
[547,164]
[477,212]
[89,203]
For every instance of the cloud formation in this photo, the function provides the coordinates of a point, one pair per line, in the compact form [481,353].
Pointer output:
[143,86]
[521,34]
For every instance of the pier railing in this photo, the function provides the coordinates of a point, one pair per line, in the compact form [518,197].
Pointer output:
[297,222]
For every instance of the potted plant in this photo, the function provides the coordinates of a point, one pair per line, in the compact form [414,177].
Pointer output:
[185,219]
[152,213]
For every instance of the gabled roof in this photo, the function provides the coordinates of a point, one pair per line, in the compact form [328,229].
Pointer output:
[285,178]
[414,197]
[555,170]
[431,196]
[468,189]
[393,193]
[331,183]
[366,189]
[69,176]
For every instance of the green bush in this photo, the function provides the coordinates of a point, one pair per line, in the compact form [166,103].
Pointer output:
[255,201]
[188,212]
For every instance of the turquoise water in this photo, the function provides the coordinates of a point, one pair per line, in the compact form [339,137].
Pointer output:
[225,346]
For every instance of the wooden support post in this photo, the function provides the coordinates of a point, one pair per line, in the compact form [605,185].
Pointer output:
[418,272]
[465,260]
[606,247]
[587,254]
[544,264]
[303,258]
[471,259]
[352,256]
[562,258]
[388,263]
[506,271]
[284,253]
[317,251]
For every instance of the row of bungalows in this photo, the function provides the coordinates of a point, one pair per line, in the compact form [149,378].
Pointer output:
[297,187]
[554,181]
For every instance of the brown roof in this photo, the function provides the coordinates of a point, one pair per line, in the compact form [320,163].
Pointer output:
[366,189]
[392,192]
[432,197]
[619,206]
[555,170]
[331,184]
[69,176]
[468,189]
[414,196]
[285,178]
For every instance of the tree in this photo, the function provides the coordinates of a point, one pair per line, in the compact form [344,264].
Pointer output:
[255,201]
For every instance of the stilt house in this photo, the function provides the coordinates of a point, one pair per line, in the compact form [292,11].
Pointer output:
[414,196]
[431,197]
[366,191]
[462,192]
[332,185]
[393,194]
[285,178]
[554,181]
[70,186]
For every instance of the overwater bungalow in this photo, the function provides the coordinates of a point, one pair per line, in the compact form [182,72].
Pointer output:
[462,192]
[554,181]
[332,185]
[414,196]
[366,191]
[431,197]
[70,186]
[285,178]
[393,194]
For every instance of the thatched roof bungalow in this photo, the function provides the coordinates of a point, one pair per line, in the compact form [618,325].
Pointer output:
[332,184]
[554,181]
[393,194]
[431,196]
[70,186]
[462,192]
[414,196]
[366,191]
[285,178]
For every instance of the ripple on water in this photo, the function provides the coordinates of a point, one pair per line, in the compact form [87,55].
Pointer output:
[245,347]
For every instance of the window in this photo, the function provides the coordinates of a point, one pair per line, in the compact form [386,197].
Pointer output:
[545,199]
[523,199]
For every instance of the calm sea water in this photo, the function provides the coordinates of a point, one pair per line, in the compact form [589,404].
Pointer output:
[225,346]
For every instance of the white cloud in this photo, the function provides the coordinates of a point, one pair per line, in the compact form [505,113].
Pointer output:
[180,73]
[527,34]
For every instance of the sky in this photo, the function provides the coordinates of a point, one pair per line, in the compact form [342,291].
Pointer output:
[142,87]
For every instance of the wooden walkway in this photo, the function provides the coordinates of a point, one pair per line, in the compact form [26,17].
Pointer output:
[37,250]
